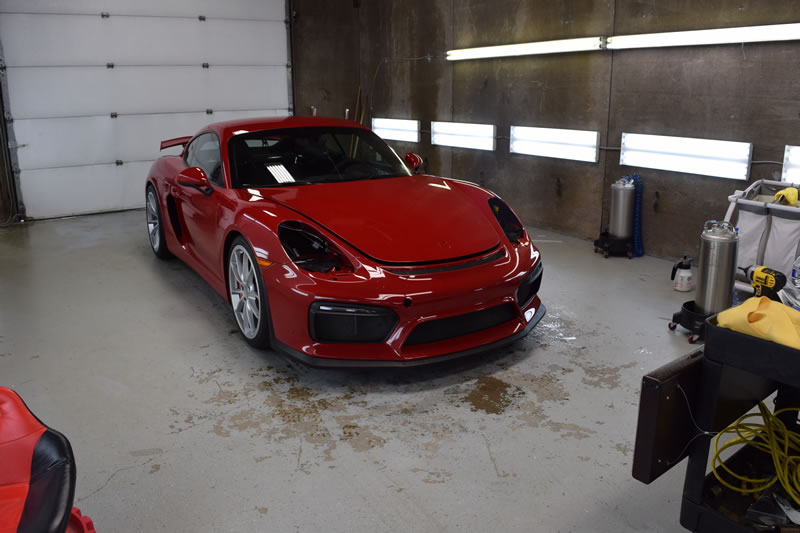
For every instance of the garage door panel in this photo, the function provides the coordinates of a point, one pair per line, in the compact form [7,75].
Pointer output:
[62,96]
[246,9]
[64,92]
[252,43]
[61,40]
[67,142]
[62,142]
[76,191]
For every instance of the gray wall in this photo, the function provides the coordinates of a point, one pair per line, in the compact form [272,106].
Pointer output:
[742,93]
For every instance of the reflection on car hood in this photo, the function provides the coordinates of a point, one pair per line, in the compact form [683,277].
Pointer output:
[396,220]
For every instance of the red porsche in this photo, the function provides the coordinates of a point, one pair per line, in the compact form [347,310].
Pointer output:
[329,247]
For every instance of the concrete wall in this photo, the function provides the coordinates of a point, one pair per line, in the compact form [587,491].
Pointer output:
[744,93]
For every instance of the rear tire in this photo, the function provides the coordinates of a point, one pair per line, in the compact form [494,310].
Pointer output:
[155,224]
[248,294]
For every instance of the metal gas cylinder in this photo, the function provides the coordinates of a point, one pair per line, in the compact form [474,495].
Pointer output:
[620,213]
[716,274]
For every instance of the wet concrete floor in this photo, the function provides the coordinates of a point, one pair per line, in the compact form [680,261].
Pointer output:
[178,425]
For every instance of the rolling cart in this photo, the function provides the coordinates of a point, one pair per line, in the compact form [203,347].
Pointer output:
[684,403]
[608,245]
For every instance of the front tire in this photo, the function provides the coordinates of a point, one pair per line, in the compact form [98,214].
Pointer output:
[247,294]
[155,224]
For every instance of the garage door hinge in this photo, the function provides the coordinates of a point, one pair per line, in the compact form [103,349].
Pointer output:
[105,14]
[118,162]
[201,18]
[109,65]
[114,115]
[12,145]
[209,111]
[205,65]
[15,170]
[9,118]
[2,67]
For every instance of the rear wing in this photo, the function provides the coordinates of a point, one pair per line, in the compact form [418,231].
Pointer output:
[177,141]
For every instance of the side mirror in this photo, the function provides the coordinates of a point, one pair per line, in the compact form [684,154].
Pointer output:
[413,160]
[195,177]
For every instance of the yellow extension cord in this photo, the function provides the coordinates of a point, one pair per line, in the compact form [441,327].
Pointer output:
[770,437]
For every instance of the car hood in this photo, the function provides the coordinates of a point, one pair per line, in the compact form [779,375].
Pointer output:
[414,219]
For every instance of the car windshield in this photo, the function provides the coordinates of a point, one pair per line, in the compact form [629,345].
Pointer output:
[302,156]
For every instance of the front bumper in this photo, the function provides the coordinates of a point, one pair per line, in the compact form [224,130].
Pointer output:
[438,314]
[327,362]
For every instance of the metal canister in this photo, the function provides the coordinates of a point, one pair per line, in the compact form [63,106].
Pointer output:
[716,274]
[620,213]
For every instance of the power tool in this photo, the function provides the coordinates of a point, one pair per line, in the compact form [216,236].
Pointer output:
[766,281]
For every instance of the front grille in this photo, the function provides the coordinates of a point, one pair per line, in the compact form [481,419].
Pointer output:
[345,323]
[530,286]
[456,326]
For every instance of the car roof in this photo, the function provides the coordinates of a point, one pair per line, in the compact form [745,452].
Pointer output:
[226,129]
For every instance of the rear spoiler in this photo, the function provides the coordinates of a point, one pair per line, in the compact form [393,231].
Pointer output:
[177,141]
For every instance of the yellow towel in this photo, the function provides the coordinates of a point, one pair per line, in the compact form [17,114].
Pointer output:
[764,318]
[789,194]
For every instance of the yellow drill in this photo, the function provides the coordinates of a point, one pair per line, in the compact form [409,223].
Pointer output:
[766,281]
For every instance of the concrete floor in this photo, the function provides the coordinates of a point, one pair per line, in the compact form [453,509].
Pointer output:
[178,425]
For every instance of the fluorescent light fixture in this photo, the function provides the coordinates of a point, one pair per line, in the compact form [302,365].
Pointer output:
[463,135]
[791,164]
[526,49]
[723,159]
[745,34]
[280,173]
[580,145]
[393,129]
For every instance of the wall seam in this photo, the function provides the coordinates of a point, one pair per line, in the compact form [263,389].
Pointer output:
[603,191]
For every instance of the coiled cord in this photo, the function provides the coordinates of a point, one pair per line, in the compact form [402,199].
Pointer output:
[772,437]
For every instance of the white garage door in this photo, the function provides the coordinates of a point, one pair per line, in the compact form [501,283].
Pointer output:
[95,85]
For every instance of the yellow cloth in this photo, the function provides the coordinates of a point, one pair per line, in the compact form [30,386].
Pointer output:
[764,318]
[789,194]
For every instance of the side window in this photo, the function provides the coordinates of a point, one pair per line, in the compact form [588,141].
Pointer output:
[203,152]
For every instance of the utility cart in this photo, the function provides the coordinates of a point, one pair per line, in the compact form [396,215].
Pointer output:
[687,401]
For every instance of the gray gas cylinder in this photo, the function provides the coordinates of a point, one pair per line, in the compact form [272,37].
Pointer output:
[716,274]
[620,214]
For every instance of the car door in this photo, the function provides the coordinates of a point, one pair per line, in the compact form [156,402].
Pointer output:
[201,208]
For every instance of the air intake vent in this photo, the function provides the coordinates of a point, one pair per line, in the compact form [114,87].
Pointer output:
[456,326]
[530,286]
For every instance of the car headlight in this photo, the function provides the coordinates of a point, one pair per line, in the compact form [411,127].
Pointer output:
[310,250]
[508,221]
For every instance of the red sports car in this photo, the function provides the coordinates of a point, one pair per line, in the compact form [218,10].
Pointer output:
[329,247]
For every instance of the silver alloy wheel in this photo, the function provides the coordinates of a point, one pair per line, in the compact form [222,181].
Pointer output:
[243,290]
[153,221]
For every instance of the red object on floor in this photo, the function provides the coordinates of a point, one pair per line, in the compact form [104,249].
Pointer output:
[19,433]
[37,471]
[79,523]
